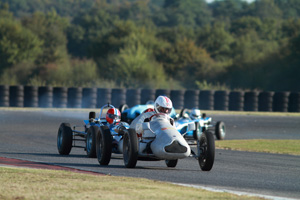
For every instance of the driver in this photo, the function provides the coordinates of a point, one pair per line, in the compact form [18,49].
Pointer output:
[195,114]
[162,104]
[113,116]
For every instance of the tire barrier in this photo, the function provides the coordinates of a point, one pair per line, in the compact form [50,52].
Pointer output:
[251,101]
[147,95]
[4,95]
[31,96]
[162,92]
[191,99]
[103,96]
[89,98]
[221,100]
[45,97]
[16,96]
[74,97]
[294,102]
[60,97]
[118,97]
[281,101]
[265,101]
[177,97]
[133,97]
[206,99]
[236,100]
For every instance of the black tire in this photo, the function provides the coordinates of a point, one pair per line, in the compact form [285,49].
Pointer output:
[220,130]
[196,132]
[123,107]
[92,115]
[130,148]
[103,144]
[206,151]
[90,142]
[182,112]
[64,139]
[171,163]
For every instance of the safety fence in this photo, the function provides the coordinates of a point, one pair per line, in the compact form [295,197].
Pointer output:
[77,97]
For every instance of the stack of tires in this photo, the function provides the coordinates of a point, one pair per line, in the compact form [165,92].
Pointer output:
[162,92]
[89,97]
[118,97]
[60,97]
[221,100]
[294,102]
[280,101]
[147,95]
[206,99]
[16,96]
[133,97]
[236,100]
[103,96]
[251,101]
[265,101]
[191,99]
[177,97]
[4,95]
[74,97]
[45,97]
[31,96]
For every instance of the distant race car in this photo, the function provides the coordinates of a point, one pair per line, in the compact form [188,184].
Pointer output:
[202,124]
[92,128]
[129,114]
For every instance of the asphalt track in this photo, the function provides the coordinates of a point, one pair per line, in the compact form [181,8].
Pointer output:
[31,135]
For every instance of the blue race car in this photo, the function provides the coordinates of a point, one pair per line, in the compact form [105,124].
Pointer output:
[202,124]
[129,114]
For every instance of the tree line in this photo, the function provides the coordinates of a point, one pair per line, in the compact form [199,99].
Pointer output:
[171,44]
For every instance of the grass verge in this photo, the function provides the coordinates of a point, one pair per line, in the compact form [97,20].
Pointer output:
[23,183]
[291,147]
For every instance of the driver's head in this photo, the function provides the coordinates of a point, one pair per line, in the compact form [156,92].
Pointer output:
[195,113]
[163,105]
[113,115]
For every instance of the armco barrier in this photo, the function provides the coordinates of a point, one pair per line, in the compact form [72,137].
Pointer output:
[60,97]
[45,97]
[31,96]
[191,99]
[133,97]
[265,101]
[4,95]
[103,96]
[177,97]
[221,100]
[280,101]
[251,101]
[147,95]
[294,102]
[118,97]
[206,99]
[16,96]
[74,97]
[236,100]
[89,97]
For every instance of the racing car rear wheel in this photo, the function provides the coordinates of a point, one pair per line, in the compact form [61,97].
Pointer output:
[220,130]
[171,163]
[103,144]
[91,142]
[130,148]
[64,139]
[206,151]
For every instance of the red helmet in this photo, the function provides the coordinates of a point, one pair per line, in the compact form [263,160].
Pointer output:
[113,115]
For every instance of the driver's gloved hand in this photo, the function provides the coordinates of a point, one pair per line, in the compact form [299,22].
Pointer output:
[147,120]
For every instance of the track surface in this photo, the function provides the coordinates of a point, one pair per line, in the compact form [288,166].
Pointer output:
[31,135]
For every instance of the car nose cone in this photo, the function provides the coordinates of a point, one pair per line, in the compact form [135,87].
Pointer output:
[175,147]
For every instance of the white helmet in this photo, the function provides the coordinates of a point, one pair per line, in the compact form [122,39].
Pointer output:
[163,105]
[195,113]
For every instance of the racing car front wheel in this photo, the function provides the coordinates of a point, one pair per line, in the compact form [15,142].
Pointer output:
[64,139]
[171,163]
[91,142]
[130,148]
[206,151]
[103,144]
[220,130]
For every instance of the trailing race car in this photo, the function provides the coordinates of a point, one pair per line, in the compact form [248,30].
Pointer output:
[92,128]
[202,124]
[129,114]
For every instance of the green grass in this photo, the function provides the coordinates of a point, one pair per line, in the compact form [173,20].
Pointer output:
[24,183]
[291,147]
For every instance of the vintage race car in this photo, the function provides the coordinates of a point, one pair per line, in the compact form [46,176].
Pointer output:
[129,114]
[86,137]
[202,124]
